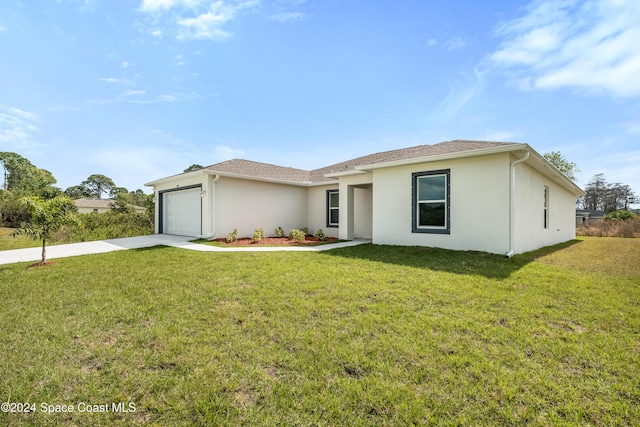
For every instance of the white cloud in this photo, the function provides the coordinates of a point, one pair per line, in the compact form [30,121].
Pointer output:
[632,127]
[2,28]
[432,42]
[194,19]
[459,95]
[126,64]
[155,5]
[17,128]
[113,80]
[134,93]
[454,43]
[590,46]
[288,16]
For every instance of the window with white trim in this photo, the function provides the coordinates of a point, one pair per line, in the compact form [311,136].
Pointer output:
[431,202]
[546,207]
[333,208]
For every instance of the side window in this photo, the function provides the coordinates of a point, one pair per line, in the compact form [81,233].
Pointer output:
[546,207]
[333,208]
[431,202]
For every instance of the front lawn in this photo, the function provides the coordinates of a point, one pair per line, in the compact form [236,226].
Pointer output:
[7,241]
[367,335]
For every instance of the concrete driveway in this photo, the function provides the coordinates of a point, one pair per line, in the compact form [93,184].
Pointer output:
[85,248]
[102,246]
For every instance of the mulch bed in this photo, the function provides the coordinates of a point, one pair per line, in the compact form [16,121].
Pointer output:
[275,241]
[41,264]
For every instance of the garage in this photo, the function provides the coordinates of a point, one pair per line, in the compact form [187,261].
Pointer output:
[182,212]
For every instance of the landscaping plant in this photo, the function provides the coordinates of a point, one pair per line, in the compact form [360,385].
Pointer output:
[297,235]
[258,235]
[47,216]
[279,232]
[233,236]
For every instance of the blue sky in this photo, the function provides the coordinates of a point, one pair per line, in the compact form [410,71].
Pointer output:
[141,89]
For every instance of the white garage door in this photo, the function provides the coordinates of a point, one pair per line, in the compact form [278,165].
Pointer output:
[182,212]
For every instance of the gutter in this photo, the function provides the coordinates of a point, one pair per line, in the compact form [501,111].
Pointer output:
[512,205]
[212,206]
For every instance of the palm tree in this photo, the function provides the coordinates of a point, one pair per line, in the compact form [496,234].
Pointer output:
[47,216]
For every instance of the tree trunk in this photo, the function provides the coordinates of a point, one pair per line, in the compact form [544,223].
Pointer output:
[44,251]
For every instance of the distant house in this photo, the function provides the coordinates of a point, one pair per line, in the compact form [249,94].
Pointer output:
[100,206]
[586,217]
[496,197]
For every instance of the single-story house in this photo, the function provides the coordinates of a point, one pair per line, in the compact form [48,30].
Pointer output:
[88,205]
[584,217]
[496,197]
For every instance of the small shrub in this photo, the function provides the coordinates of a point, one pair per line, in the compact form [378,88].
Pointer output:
[305,230]
[320,235]
[297,235]
[233,236]
[619,215]
[279,232]
[258,235]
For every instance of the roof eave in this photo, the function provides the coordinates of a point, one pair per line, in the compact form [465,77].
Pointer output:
[547,168]
[262,179]
[448,156]
[345,173]
[172,177]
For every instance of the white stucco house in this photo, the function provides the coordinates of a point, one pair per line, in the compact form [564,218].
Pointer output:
[496,197]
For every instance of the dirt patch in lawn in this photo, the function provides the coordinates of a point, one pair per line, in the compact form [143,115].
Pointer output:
[41,264]
[276,241]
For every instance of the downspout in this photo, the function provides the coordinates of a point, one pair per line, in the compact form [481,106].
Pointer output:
[212,206]
[512,205]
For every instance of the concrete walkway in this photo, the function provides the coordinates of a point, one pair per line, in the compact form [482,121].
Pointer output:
[102,246]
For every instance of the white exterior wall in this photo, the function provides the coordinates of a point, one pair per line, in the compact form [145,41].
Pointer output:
[248,205]
[187,180]
[479,205]
[356,206]
[530,233]
[87,210]
[317,210]
[363,214]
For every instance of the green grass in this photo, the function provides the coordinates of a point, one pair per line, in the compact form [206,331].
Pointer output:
[263,245]
[8,242]
[367,335]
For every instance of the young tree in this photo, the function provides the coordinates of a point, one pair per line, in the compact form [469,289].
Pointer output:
[569,169]
[47,216]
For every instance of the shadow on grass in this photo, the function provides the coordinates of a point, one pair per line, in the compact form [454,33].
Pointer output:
[491,266]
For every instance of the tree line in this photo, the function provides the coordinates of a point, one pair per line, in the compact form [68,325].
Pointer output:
[23,179]
[601,195]
[32,205]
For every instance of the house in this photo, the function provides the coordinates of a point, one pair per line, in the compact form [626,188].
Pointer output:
[588,217]
[495,197]
[89,205]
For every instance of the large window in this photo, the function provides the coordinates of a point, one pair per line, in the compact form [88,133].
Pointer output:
[431,206]
[333,208]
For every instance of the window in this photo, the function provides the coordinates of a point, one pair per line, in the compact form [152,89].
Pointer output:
[431,205]
[546,207]
[333,208]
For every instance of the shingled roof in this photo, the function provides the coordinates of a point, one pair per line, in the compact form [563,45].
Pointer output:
[248,168]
